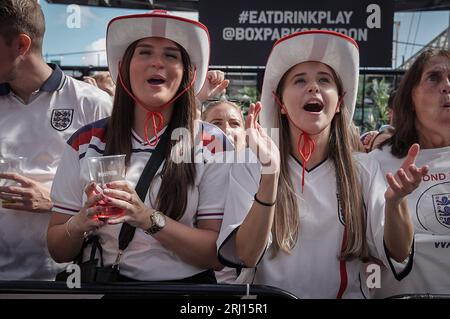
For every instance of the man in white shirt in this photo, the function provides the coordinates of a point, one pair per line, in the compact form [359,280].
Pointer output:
[40,108]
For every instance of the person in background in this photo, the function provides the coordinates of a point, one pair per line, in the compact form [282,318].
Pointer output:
[372,139]
[422,115]
[103,81]
[214,85]
[40,108]
[228,117]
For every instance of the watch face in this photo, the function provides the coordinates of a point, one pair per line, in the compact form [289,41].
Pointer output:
[159,219]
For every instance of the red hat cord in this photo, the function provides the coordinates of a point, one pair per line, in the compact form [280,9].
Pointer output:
[309,146]
[155,116]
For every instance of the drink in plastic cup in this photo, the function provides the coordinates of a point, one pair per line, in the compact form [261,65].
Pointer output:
[11,165]
[4,165]
[103,170]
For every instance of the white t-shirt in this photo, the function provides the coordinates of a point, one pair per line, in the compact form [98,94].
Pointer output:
[38,131]
[312,270]
[145,258]
[429,206]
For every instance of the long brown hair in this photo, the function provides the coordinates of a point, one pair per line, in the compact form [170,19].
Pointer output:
[286,225]
[404,109]
[177,178]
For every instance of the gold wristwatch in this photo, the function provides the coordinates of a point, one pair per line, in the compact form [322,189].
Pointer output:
[158,221]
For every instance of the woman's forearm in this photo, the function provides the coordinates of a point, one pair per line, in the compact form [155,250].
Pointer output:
[253,234]
[398,230]
[196,246]
[63,239]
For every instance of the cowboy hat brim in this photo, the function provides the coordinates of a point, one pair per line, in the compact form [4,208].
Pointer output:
[191,35]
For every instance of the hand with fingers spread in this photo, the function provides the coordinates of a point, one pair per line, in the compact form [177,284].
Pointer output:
[215,84]
[407,179]
[29,195]
[260,143]
[120,194]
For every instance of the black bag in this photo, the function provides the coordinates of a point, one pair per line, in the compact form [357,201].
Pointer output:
[90,271]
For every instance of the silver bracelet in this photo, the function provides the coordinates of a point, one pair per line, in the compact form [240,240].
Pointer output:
[85,234]
[67,225]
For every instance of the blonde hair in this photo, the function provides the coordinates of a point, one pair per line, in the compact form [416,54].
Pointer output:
[214,104]
[101,76]
[286,225]
[355,140]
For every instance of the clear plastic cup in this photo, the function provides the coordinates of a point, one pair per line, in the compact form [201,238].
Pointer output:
[11,165]
[103,170]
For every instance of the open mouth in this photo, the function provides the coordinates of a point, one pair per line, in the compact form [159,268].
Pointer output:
[313,107]
[156,81]
[446,105]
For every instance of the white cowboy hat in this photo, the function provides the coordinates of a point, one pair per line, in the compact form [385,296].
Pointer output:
[191,35]
[334,49]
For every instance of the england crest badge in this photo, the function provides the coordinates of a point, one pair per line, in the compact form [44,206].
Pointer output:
[61,119]
[441,203]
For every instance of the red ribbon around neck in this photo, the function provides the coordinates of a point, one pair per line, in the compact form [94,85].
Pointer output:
[156,117]
[309,146]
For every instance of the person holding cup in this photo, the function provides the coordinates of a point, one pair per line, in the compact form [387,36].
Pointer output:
[159,61]
[40,108]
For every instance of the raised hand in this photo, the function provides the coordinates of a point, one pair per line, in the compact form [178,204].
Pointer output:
[215,83]
[90,80]
[260,143]
[407,179]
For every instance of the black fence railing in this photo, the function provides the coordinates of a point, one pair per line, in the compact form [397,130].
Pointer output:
[368,112]
[60,290]
[421,296]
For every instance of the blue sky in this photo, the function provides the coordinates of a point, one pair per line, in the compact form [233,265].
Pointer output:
[420,28]
[65,35]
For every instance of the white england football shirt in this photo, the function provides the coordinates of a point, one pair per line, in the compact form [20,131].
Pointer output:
[38,131]
[429,206]
[145,258]
[312,270]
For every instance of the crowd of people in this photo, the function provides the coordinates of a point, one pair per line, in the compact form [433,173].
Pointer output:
[289,196]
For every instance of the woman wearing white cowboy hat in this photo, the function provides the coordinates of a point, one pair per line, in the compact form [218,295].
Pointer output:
[318,209]
[159,62]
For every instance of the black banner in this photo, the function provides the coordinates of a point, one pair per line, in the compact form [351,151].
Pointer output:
[243,32]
